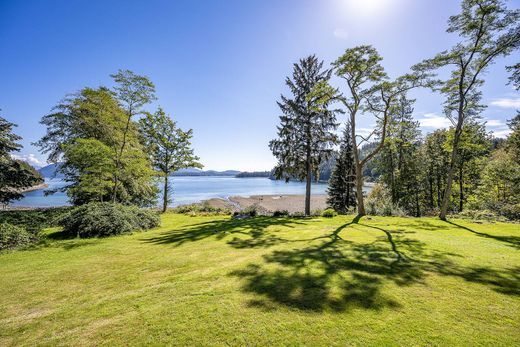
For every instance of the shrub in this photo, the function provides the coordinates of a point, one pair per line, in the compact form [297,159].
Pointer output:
[251,211]
[486,215]
[203,209]
[105,219]
[13,236]
[280,213]
[35,219]
[379,203]
[510,211]
[329,213]
[316,213]
[298,214]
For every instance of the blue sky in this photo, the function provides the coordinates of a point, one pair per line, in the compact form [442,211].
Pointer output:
[219,66]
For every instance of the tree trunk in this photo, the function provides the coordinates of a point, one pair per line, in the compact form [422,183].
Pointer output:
[120,155]
[359,190]
[165,193]
[461,188]
[430,182]
[451,171]
[308,189]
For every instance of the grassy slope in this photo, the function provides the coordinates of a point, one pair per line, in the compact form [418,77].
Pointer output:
[265,281]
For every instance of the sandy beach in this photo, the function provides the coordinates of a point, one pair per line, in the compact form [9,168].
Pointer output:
[271,203]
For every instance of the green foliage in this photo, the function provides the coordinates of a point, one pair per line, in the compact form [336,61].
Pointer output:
[341,189]
[513,142]
[399,163]
[100,149]
[251,211]
[329,213]
[202,209]
[35,219]
[480,215]
[15,175]
[306,130]
[90,168]
[99,219]
[280,213]
[379,202]
[169,147]
[13,236]
[487,31]
[500,187]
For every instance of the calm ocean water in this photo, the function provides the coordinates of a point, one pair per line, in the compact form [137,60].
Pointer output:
[190,189]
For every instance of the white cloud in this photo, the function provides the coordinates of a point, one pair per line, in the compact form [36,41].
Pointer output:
[340,33]
[506,102]
[502,133]
[435,121]
[29,158]
[495,123]
[364,131]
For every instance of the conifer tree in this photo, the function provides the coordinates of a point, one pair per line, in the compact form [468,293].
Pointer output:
[342,183]
[305,134]
[14,174]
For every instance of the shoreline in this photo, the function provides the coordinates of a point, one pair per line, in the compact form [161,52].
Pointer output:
[270,203]
[33,188]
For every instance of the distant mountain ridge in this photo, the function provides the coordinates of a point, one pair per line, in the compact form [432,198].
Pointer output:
[51,171]
[199,172]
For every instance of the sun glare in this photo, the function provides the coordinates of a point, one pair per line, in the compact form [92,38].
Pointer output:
[368,7]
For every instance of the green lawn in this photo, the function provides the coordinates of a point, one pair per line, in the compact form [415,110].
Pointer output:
[269,281]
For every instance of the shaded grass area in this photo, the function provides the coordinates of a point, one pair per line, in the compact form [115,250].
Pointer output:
[269,281]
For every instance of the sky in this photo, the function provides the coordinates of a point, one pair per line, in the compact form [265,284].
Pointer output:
[218,66]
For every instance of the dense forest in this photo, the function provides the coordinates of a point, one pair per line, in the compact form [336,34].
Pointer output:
[448,171]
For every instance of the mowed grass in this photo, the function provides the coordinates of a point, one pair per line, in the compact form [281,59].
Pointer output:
[199,281]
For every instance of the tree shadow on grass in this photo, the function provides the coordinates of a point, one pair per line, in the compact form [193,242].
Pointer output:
[330,272]
[339,275]
[253,229]
[512,241]
[59,239]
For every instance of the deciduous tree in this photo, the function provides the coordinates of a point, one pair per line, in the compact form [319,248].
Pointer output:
[488,30]
[169,147]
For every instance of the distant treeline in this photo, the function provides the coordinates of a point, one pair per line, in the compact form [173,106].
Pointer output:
[246,174]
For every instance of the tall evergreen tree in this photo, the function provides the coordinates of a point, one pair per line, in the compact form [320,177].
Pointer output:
[305,134]
[368,91]
[14,174]
[398,162]
[342,183]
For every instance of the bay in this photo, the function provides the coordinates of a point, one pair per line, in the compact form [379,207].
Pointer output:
[188,189]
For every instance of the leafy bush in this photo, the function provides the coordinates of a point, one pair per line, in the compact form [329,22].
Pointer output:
[105,219]
[329,213]
[316,213]
[379,203]
[280,213]
[13,236]
[35,219]
[510,211]
[298,214]
[251,211]
[486,215]
[203,209]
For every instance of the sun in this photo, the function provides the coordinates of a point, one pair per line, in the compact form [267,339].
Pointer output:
[368,7]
